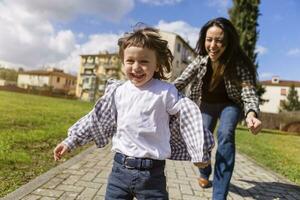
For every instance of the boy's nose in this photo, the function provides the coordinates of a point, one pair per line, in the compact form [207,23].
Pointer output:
[136,67]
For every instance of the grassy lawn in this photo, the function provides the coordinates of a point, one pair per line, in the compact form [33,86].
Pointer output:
[30,127]
[278,152]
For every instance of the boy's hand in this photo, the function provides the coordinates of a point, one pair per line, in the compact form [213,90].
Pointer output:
[202,164]
[59,151]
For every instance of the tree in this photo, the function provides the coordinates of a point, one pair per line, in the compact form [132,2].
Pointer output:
[244,16]
[292,103]
[8,74]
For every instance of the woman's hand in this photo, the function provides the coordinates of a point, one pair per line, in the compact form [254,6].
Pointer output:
[253,123]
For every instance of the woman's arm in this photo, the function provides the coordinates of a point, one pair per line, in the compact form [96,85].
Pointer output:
[250,101]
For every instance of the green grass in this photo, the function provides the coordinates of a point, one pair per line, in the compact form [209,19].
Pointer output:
[280,153]
[30,127]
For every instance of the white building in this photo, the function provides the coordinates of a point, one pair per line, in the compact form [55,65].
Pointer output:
[183,53]
[276,92]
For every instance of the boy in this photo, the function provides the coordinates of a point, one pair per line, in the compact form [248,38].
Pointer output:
[147,119]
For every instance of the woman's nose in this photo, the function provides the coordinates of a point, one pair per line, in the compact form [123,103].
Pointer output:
[213,43]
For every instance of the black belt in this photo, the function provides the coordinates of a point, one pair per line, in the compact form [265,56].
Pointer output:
[137,163]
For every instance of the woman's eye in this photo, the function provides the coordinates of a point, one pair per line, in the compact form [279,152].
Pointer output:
[144,61]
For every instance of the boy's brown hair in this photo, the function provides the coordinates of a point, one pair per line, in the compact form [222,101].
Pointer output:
[148,37]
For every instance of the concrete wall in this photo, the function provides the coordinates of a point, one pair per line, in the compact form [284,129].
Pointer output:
[284,121]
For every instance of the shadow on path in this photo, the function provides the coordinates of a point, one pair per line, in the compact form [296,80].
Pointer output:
[267,190]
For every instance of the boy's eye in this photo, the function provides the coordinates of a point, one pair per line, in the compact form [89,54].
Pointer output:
[129,61]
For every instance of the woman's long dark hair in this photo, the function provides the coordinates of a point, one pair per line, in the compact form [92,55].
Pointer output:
[233,54]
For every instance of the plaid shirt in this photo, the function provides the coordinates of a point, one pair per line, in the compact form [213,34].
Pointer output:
[188,139]
[243,95]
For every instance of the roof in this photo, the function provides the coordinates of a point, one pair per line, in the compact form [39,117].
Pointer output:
[48,73]
[286,83]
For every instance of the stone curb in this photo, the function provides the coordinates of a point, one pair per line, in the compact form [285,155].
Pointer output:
[42,179]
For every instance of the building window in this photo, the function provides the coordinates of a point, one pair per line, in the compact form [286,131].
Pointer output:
[178,47]
[57,79]
[185,56]
[283,92]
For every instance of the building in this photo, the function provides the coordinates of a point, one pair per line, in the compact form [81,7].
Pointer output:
[183,53]
[94,70]
[53,79]
[7,83]
[276,92]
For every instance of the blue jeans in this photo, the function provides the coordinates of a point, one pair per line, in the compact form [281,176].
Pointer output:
[125,184]
[228,115]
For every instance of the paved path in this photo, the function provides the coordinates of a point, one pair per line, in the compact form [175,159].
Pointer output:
[85,177]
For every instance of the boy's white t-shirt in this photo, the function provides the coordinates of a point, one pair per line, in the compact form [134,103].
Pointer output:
[143,119]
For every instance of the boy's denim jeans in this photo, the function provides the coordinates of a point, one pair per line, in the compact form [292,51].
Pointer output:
[125,184]
[229,115]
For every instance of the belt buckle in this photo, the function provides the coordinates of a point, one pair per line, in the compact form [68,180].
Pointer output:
[126,160]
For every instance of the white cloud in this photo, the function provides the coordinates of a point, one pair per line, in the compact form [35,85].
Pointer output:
[63,42]
[186,31]
[261,50]
[161,2]
[294,52]
[66,10]
[29,37]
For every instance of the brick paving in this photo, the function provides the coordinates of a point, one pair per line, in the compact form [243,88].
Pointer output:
[85,177]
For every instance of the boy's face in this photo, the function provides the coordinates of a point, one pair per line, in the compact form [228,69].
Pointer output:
[139,65]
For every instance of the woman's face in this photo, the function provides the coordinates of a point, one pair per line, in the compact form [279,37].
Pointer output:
[214,43]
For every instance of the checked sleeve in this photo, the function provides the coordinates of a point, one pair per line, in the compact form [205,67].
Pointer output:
[99,125]
[199,142]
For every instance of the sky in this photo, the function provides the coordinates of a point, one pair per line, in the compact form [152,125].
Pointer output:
[35,34]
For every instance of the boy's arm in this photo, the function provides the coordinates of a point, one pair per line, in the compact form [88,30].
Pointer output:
[81,132]
[99,125]
[199,141]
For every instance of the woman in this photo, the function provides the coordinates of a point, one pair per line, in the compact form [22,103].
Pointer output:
[224,79]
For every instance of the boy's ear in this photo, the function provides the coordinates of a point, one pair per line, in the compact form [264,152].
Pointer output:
[122,68]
